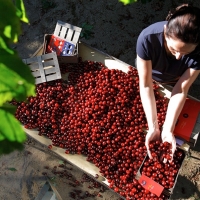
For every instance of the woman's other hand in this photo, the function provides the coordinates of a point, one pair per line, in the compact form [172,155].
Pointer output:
[169,137]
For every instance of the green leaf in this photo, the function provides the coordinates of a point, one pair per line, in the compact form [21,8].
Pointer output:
[12,169]
[13,62]
[61,162]
[16,80]
[125,2]
[145,1]
[2,137]
[10,127]
[10,23]
[21,13]
[7,146]
[86,31]
[47,4]
[10,89]
[6,94]
[7,31]
[87,26]
[23,82]
[4,46]
[9,108]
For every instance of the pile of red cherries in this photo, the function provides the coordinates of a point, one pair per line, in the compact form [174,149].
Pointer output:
[96,112]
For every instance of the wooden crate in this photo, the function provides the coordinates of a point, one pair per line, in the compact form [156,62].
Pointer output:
[80,161]
[69,33]
[44,67]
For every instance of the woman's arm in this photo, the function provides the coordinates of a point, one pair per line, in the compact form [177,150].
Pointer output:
[144,68]
[176,103]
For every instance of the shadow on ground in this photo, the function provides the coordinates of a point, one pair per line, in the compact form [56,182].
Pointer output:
[184,188]
[194,90]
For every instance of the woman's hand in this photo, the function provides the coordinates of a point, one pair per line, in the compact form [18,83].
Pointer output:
[152,135]
[169,137]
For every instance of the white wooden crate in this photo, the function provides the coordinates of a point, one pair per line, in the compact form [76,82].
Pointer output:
[68,32]
[44,67]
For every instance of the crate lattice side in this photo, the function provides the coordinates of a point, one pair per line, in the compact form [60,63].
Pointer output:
[67,32]
[44,68]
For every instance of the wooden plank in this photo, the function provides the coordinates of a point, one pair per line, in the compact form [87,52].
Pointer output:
[48,71]
[78,160]
[49,63]
[51,77]
[42,73]
[30,60]
[69,36]
[76,37]
[51,70]
[34,66]
[63,32]
[57,30]
[49,56]
[38,80]
[67,25]
[36,74]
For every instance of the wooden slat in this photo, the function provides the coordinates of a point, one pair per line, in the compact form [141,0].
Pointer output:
[76,37]
[51,77]
[33,66]
[30,60]
[49,56]
[36,74]
[24,61]
[48,63]
[63,32]
[69,35]
[57,30]
[48,78]
[41,69]
[50,71]
[38,80]
[70,26]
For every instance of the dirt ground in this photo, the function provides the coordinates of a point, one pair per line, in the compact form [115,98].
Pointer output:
[116,28]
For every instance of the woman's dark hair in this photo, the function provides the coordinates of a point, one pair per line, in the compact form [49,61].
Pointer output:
[184,24]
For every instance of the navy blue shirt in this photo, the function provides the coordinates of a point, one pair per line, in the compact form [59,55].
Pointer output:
[165,68]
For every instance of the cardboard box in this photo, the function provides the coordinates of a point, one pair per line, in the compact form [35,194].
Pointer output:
[188,123]
[187,120]
[70,35]
[60,46]
[154,187]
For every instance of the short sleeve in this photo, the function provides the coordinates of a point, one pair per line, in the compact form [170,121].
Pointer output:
[143,47]
[193,61]
[196,66]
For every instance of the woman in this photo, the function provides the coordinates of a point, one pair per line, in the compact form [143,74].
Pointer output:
[168,52]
